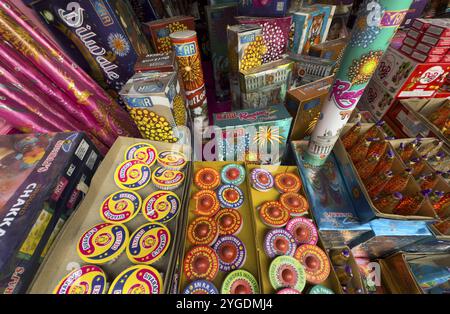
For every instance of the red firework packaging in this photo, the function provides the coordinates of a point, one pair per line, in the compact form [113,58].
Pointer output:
[187,53]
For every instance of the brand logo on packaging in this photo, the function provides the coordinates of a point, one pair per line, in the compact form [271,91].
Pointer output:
[344,98]
[247,38]
[102,12]
[376,17]
[431,75]
[73,17]
[186,50]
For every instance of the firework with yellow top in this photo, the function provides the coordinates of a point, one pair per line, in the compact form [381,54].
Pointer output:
[374,29]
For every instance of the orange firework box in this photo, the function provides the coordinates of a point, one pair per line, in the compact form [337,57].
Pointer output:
[158,31]
[187,53]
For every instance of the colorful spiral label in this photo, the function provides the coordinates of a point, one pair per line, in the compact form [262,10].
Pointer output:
[142,151]
[132,175]
[139,279]
[148,243]
[161,206]
[120,207]
[88,279]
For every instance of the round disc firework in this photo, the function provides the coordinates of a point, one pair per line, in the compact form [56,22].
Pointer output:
[287,182]
[200,287]
[303,230]
[132,175]
[287,272]
[240,282]
[172,160]
[230,196]
[161,206]
[102,243]
[229,221]
[288,291]
[231,252]
[142,151]
[148,243]
[120,207]
[261,179]
[233,174]
[88,279]
[201,262]
[203,231]
[279,242]
[166,179]
[315,261]
[139,279]
[273,214]
[295,203]
[206,203]
[207,179]
[318,289]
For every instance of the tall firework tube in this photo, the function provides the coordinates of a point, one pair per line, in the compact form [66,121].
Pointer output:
[187,53]
[373,31]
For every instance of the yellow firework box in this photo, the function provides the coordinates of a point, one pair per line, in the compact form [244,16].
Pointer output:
[156,104]
[187,53]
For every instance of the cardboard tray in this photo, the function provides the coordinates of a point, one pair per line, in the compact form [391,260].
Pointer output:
[357,280]
[63,257]
[246,234]
[365,208]
[257,198]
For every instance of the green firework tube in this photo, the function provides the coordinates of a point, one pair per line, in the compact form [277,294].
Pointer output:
[374,29]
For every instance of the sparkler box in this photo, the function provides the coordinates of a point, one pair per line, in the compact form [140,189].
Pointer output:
[311,25]
[158,31]
[304,104]
[265,85]
[330,202]
[253,135]
[245,47]
[276,8]
[103,37]
[43,171]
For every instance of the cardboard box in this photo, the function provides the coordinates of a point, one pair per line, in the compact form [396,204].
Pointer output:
[411,42]
[414,34]
[311,25]
[434,27]
[309,69]
[434,41]
[156,62]
[430,50]
[407,50]
[277,8]
[376,99]
[63,256]
[425,58]
[437,243]
[304,104]
[158,31]
[42,172]
[330,202]
[331,50]
[265,85]
[242,39]
[253,135]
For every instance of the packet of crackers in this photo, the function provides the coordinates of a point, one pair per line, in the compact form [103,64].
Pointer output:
[156,103]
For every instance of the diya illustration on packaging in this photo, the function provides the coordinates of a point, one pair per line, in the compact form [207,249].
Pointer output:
[374,28]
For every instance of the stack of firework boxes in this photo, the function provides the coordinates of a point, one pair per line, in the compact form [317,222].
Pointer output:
[417,70]
[43,178]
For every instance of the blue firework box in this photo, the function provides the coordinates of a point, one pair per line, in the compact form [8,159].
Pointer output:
[269,8]
[102,37]
[252,135]
[330,203]
[39,195]
[310,26]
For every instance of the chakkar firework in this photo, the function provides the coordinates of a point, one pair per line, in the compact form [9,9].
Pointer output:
[187,53]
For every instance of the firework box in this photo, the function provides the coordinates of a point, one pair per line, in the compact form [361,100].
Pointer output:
[304,104]
[144,10]
[377,99]
[254,135]
[151,97]
[158,31]
[62,257]
[43,170]
[433,27]
[425,58]
[218,18]
[330,202]
[415,11]
[331,50]
[309,69]
[414,34]
[102,37]
[257,198]
[311,25]
[427,49]
[389,236]
[437,243]
[275,32]
[275,8]
[265,85]
[246,235]
[435,41]
[157,62]
[361,199]
[241,40]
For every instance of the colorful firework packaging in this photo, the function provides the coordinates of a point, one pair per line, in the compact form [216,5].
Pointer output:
[157,62]
[139,279]
[200,287]
[166,179]
[160,30]
[144,152]
[156,103]
[172,160]
[375,26]
[254,135]
[161,206]
[88,279]
[103,37]
[189,63]
[120,207]
[203,231]
[132,175]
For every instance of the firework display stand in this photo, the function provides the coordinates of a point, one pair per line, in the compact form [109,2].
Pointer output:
[225,147]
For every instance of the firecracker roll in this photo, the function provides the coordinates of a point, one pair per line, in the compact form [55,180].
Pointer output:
[303,231]
[230,196]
